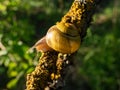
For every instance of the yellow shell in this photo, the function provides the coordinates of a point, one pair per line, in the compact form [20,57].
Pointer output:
[63,42]
[67,28]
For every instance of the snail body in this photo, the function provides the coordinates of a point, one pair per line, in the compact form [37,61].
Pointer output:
[42,46]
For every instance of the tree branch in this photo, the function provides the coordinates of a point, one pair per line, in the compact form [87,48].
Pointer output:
[50,72]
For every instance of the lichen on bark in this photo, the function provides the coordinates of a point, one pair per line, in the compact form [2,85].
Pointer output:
[49,73]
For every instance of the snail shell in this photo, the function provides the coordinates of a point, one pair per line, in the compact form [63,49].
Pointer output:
[63,38]
[67,28]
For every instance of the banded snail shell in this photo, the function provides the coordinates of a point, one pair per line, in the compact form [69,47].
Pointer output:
[66,41]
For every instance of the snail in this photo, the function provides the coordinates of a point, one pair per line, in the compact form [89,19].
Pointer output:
[62,37]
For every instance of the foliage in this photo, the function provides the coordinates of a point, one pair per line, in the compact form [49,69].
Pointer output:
[101,51]
[23,22]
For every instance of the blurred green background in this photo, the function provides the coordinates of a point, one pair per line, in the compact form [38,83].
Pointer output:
[23,22]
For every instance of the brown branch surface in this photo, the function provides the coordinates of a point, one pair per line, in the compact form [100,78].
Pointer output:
[50,72]
[37,80]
